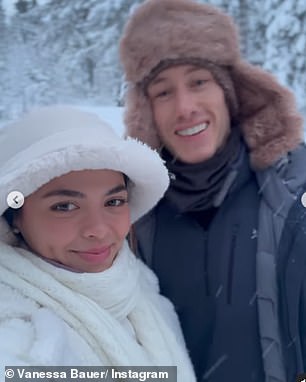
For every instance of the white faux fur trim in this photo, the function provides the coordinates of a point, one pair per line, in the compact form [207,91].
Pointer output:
[55,140]
[74,300]
[149,179]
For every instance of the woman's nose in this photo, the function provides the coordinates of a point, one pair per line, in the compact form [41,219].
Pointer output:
[94,226]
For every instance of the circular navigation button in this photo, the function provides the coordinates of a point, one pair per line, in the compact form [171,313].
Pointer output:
[15,199]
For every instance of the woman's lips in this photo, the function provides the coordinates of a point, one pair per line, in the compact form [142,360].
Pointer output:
[95,255]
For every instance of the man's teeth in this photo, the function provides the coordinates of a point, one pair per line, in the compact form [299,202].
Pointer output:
[193,130]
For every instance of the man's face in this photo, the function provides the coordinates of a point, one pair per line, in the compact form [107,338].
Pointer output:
[79,219]
[190,112]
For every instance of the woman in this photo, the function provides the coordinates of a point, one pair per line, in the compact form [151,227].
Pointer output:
[71,292]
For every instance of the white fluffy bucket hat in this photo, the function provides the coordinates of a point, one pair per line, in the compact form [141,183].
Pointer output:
[52,141]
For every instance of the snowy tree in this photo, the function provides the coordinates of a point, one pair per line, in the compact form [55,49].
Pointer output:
[286,45]
[3,61]
[66,51]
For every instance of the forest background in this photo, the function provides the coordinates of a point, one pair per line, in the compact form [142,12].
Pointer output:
[66,51]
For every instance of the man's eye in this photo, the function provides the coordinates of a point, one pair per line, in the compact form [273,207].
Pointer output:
[64,207]
[116,202]
[162,94]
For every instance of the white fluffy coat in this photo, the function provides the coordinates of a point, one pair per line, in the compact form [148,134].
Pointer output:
[52,316]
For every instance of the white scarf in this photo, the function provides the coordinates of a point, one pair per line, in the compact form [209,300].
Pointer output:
[95,304]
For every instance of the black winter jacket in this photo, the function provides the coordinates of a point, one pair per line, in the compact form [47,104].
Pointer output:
[273,321]
[292,289]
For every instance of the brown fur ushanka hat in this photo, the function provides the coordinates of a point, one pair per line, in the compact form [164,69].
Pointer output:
[182,31]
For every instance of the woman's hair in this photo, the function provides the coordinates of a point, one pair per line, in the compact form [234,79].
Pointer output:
[9,215]
[126,179]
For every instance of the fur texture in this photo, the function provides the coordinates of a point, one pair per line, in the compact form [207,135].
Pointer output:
[51,316]
[59,139]
[162,30]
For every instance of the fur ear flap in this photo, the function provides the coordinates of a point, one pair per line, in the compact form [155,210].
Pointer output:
[268,116]
[139,118]
[162,30]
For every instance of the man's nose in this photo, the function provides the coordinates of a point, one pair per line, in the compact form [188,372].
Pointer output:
[185,106]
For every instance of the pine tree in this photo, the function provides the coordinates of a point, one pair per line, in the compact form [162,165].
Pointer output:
[3,63]
[67,50]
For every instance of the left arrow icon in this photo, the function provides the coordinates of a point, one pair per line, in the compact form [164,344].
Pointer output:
[15,199]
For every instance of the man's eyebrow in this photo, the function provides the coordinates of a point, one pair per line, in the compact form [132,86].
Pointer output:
[160,78]
[196,69]
[156,81]
[64,192]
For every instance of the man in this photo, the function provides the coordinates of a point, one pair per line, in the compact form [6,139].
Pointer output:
[227,240]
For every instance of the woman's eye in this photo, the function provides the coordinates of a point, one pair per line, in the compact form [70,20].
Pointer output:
[116,202]
[199,82]
[64,207]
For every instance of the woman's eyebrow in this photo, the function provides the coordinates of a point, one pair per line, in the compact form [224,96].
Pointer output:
[78,194]
[114,190]
[64,192]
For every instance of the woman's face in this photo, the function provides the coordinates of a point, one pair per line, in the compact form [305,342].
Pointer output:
[79,219]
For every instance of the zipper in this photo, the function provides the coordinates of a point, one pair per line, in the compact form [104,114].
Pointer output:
[205,264]
[231,263]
